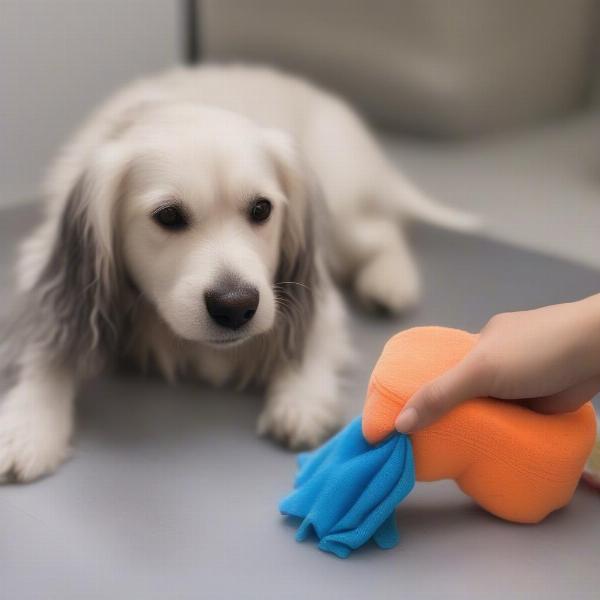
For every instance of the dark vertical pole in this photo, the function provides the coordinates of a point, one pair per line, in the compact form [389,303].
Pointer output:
[191,31]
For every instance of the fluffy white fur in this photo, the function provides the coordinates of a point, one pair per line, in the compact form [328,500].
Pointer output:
[210,140]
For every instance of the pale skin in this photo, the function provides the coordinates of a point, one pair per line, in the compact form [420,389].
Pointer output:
[549,358]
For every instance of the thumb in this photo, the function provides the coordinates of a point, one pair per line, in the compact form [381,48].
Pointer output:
[439,396]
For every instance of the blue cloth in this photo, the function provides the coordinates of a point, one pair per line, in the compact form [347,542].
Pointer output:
[346,491]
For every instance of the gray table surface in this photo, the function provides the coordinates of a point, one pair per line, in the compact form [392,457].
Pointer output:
[171,495]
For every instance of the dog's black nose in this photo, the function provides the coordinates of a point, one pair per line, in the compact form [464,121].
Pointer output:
[232,306]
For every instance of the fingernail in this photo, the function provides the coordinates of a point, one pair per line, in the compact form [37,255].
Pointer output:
[406,420]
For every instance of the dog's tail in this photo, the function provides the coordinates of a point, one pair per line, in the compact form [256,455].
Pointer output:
[402,198]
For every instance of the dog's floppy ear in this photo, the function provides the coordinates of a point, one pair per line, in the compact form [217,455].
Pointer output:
[298,274]
[74,309]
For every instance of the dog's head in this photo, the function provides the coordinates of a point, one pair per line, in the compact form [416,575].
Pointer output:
[203,213]
[211,199]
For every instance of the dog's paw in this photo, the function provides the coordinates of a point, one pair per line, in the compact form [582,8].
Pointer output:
[300,422]
[34,439]
[382,287]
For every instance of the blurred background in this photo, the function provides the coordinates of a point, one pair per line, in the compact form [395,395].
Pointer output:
[490,105]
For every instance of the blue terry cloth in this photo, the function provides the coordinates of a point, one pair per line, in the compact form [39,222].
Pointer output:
[347,490]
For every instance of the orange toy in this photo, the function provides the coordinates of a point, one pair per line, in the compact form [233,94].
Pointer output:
[515,463]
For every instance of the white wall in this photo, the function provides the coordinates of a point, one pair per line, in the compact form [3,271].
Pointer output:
[58,59]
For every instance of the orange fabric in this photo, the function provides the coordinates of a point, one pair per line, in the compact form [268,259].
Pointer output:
[517,464]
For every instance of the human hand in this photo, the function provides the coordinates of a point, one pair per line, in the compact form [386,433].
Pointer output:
[548,357]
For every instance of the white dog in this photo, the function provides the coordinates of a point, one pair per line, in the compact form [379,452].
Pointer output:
[193,225]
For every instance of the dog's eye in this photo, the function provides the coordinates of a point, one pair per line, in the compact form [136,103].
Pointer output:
[260,210]
[170,217]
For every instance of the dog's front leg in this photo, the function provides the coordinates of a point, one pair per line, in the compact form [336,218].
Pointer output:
[36,422]
[303,403]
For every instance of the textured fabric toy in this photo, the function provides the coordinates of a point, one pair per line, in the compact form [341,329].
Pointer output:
[591,475]
[515,463]
[347,490]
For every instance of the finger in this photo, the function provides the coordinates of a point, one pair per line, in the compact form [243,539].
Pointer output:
[436,398]
[567,400]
